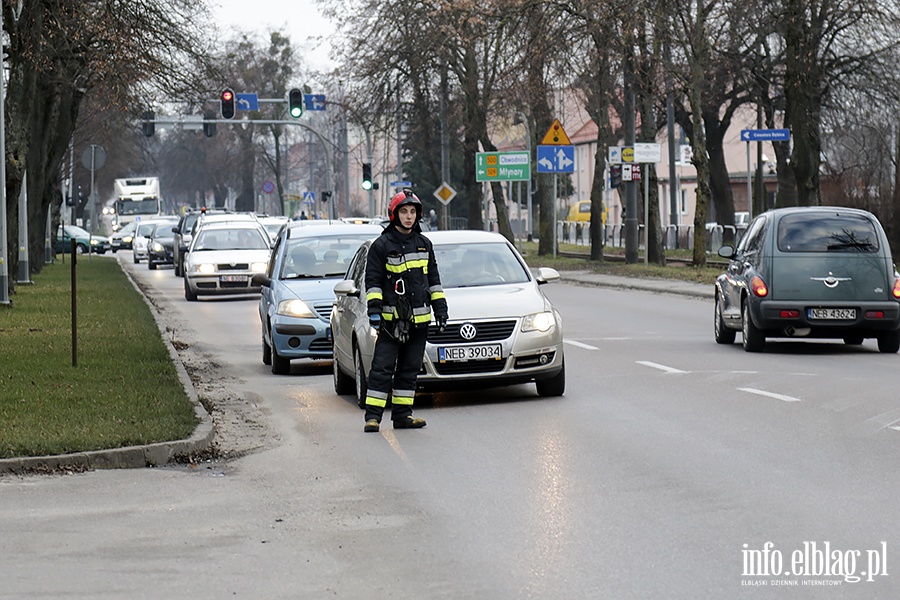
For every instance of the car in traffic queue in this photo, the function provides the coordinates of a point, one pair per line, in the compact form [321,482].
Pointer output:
[273,224]
[160,246]
[502,329]
[121,240]
[223,257]
[809,273]
[183,232]
[298,289]
[142,233]
[84,242]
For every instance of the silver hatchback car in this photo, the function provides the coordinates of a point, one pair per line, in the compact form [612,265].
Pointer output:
[502,329]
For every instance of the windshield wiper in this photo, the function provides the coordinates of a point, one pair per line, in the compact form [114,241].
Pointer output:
[843,245]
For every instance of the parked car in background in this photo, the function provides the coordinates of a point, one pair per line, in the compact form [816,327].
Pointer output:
[121,240]
[298,289]
[807,273]
[142,233]
[223,257]
[502,330]
[84,241]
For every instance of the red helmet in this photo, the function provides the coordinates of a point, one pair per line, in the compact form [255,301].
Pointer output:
[402,199]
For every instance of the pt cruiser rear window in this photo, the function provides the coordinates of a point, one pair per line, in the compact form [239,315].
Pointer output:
[826,233]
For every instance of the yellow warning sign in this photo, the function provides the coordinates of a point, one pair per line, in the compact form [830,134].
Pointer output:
[556,135]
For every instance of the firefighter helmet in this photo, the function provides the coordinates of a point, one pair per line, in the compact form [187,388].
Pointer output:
[402,199]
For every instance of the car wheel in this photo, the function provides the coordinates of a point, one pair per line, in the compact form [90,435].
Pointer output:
[753,339]
[177,268]
[280,364]
[555,386]
[853,340]
[137,260]
[723,334]
[189,294]
[889,343]
[80,249]
[362,386]
[343,383]
[267,353]
[151,265]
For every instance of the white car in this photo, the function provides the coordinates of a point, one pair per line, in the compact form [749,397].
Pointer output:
[223,257]
[502,329]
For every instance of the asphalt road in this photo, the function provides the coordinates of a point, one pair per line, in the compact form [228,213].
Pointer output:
[663,472]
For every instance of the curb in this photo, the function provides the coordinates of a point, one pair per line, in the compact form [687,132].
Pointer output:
[130,457]
[668,286]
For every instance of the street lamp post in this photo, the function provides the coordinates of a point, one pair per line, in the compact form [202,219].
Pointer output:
[4,262]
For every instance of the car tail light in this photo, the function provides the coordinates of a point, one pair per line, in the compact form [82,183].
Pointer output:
[896,290]
[874,314]
[758,287]
[790,314]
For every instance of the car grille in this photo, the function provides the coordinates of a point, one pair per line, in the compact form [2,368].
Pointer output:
[470,367]
[230,267]
[487,331]
[320,345]
[323,310]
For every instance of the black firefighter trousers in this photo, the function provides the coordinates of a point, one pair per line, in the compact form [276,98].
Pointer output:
[395,368]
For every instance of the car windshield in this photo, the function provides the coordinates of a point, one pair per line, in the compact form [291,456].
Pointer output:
[826,233]
[474,265]
[231,239]
[145,229]
[320,256]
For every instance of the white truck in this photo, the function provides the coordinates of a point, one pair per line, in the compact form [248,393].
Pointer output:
[137,199]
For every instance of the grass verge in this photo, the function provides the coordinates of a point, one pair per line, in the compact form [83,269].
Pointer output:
[124,390]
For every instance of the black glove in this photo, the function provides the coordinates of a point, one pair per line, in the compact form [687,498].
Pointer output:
[442,322]
[375,322]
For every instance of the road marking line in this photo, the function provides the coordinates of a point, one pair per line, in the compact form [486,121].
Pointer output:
[895,428]
[769,395]
[580,345]
[654,365]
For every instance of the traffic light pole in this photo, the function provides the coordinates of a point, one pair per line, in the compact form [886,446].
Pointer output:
[329,171]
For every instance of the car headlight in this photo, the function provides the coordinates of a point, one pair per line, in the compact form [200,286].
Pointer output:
[157,247]
[94,242]
[295,308]
[127,239]
[543,321]
[259,267]
[205,268]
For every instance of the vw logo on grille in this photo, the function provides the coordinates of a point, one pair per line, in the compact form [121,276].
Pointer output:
[468,331]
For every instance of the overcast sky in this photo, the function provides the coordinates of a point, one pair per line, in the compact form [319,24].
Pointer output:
[299,19]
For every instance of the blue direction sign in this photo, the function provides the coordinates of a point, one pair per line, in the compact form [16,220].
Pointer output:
[247,101]
[401,184]
[556,159]
[314,101]
[765,135]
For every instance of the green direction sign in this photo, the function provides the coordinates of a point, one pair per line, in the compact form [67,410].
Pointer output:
[502,166]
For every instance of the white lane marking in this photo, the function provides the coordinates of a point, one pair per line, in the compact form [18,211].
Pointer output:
[580,345]
[895,428]
[654,365]
[769,395]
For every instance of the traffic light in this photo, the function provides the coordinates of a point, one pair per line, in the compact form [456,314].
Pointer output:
[147,124]
[227,102]
[209,129]
[325,196]
[367,176]
[295,103]
[615,176]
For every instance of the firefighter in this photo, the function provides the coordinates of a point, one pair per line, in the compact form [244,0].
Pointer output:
[403,286]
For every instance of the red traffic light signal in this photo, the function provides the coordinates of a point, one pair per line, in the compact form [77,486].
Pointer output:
[227,102]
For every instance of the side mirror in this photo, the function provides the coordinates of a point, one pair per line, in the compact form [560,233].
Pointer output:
[261,279]
[174,230]
[346,288]
[726,252]
[547,275]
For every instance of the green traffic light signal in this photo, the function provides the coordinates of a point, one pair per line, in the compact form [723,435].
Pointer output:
[367,176]
[295,103]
